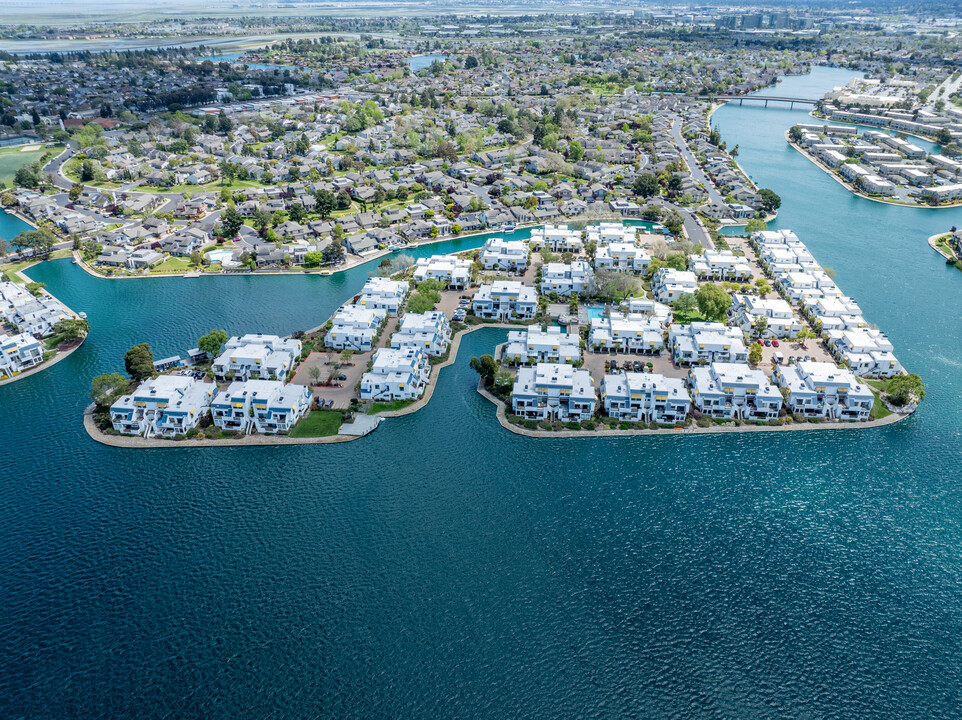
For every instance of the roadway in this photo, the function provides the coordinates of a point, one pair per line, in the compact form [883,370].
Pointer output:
[697,174]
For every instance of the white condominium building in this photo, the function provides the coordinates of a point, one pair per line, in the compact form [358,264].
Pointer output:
[553,391]
[645,397]
[505,300]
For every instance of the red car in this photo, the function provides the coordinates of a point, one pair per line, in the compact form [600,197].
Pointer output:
[775,343]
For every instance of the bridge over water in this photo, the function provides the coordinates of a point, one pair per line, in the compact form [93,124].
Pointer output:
[766,99]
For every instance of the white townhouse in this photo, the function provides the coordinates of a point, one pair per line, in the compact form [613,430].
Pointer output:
[645,397]
[835,313]
[267,406]
[500,254]
[553,391]
[734,390]
[720,265]
[823,390]
[943,193]
[396,374]
[632,333]
[800,285]
[770,238]
[669,284]
[18,353]
[782,259]
[559,238]
[450,271]
[705,342]
[608,232]
[748,310]
[354,328]
[534,345]
[644,306]
[568,279]
[867,352]
[381,293]
[257,356]
[35,316]
[624,256]
[167,406]
[429,331]
[505,300]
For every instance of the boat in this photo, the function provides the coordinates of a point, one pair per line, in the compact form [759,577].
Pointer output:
[510,227]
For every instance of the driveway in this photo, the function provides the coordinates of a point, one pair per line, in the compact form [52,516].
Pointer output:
[343,395]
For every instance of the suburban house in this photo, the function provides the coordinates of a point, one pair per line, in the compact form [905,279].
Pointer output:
[734,390]
[354,327]
[396,374]
[645,397]
[823,390]
[534,345]
[430,331]
[553,391]
[505,300]
[167,406]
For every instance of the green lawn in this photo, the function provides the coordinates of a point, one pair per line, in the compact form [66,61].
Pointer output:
[879,410]
[683,318]
[383,407]
[11,162]
[318,423]
[53,341]
[10,270]
[173,264]
[12,159]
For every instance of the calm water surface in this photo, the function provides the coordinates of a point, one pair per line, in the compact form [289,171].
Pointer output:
[11,226]
[443,567]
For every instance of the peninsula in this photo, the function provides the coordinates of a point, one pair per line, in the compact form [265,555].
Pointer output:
[670,336]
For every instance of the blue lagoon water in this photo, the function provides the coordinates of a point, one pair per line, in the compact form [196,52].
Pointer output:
[419,62]
[11,226]
[444,567]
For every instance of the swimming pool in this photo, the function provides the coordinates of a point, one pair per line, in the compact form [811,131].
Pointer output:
[219,256]
[596,312]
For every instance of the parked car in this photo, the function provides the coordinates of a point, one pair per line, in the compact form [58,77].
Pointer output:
[774,343]
[341,377]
